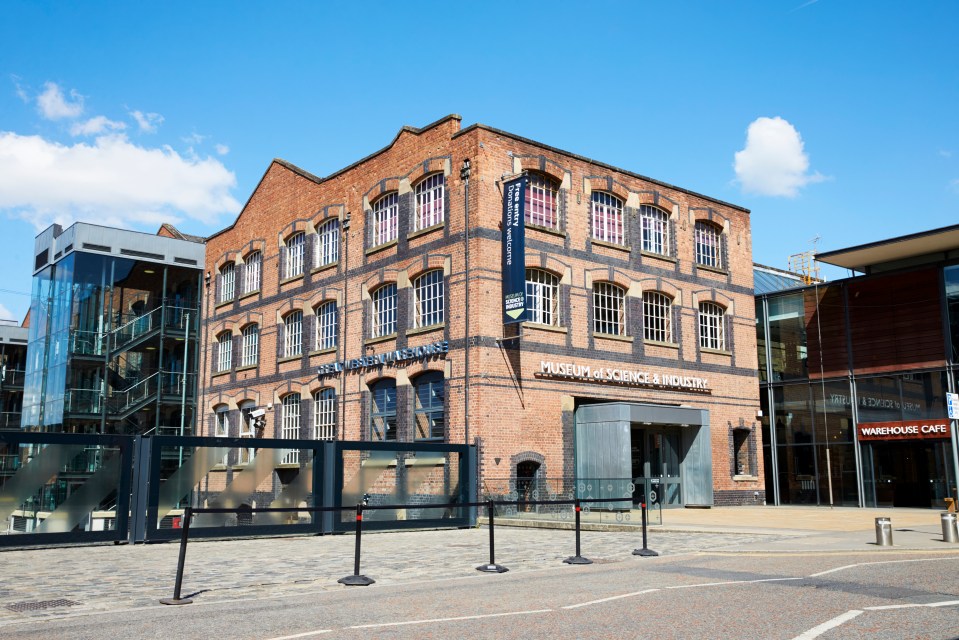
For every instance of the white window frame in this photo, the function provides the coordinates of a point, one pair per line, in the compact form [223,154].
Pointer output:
[609,224]
[325,326]
[250,351]
[221,427]
[386,212]
[430,201]
[609,309]
[327,243]
[709,243]
[227,282]
[295,250]
[655,228]
[247,430]
[542,206]
[293,334]
[429,299]
[712,326]
[542,297]
[224,356]
[290,425]
[252,269]
[324,414]
[657,316]
[384,310]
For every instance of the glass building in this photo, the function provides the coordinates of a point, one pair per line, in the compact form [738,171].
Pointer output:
[13,363]
[854,375]
[113,333]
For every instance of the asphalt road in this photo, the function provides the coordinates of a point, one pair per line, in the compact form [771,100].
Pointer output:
[849,595]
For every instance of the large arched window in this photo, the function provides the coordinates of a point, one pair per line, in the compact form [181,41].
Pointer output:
[708,239]
[325,326]
[657,317]
[295,248]
[291,425]
[712,326]
[429,391]
[327,243]
[324,414]
[429,201]
[609,309]
[607,217]
[542,297]
[224,349]
[227,282]
[383,410]
[541,201]
[250,351]
[385,216]
[384,310]
[655,225]
[293,334]
[428,299]
[252,269]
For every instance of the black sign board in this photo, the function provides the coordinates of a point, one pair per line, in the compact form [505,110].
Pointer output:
[514,250]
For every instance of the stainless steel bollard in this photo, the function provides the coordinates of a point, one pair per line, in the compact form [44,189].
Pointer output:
[884,532]
[949,531]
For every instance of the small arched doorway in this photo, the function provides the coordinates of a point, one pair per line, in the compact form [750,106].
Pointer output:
[526,484]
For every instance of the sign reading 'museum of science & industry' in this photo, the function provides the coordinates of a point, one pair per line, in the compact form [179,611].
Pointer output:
[629,377]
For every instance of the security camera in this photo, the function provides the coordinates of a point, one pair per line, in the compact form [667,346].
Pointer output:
[258,413]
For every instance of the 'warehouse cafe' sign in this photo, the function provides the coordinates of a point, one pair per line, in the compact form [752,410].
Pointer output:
[514,250]
[388,357]
[904,430]
[628,377]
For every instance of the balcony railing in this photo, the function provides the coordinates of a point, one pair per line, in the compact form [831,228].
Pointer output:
[87,401]
[87,343]
[13,377]
[9,420]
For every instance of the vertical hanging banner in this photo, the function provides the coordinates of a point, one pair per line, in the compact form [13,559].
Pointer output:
[514,250]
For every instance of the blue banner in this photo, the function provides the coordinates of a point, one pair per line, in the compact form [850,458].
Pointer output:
[514,250]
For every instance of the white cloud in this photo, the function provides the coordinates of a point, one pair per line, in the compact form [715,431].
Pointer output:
[19,90]
[96,125]
[54,106]
[945,153]
[222,149]
[6,314]
[773,163]
[111,181]
[194,138]
[148,122]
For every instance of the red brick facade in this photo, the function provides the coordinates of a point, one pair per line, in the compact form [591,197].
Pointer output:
[514,413]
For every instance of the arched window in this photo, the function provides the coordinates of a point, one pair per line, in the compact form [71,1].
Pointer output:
[324,414]
[328,243]
[607,217]
[428,299]
[657,317]
[295,247]
[383,410]
[429,392]
[655,225]
[708,239]
[609,309]
[384,310]
[429,201]
[224,351]
[253,266]
[227,282]
[326,326]
[247,430]
[541,201]
[250,352]
[542,297]
[291,425]
[293,334]
[221,428]
[712,326]
[385,215]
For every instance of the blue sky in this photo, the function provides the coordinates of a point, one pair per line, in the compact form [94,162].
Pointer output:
[843,114]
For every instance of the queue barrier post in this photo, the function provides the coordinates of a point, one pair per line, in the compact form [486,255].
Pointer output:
[492,567]
[646,552]
[578,558]
[181,561]
[357,579]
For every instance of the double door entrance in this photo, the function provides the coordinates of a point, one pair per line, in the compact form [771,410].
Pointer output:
[657,454]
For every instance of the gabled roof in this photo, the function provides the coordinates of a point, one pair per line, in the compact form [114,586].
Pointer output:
[179,235]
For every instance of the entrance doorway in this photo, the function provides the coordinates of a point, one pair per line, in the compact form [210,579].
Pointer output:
[657,455]
[906,473]
[526,481]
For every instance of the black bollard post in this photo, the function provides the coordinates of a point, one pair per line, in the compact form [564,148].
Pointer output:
[357,580]
[577,559]
[184,538]
[492,567]
[645,551]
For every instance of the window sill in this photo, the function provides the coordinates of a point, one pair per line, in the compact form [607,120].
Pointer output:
[417,331]
[610,245]
[247,367]
[322,352]
[291,279]
[289,358]
[249,294]
[745,478]
[325,267]
[379,339]
[549,230]
[551,328]
[225,372]
[381,247]
[718,270]
[658,256]
[611,336]
[224,303]
[657,343]
[718,352]
[427,230]
[288,465]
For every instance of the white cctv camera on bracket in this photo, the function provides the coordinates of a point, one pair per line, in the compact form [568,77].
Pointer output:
[258,413]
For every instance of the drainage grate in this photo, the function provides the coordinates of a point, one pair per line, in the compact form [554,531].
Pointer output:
[40,605]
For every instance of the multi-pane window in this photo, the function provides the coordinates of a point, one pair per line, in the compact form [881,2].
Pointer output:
[324,415]
[222,424]
[542,289]
[609,309]
[247,430]
[429,392]
[328,243]
[655,224]
[712,330]
[251,276]
[657,317]
[607,216]
[224,351]
[429,202]
[291,425]
[326,325]
[385,214]
[227,282]
[383,410]
[251,345]
[295,248]
[428,299]
[541,197]
[708,245]
[293,334]
[384,310]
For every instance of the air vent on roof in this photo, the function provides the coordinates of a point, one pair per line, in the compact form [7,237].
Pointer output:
[141,254]
[42,259]
[96,247]
[184,261]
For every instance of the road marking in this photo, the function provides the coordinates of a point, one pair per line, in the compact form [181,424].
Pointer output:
[945,603]
[457,619]
[719,584]
[865,564]
[611,598]
[817,631]
[305,634]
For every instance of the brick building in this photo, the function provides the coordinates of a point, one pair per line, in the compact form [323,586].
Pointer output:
[367,305]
